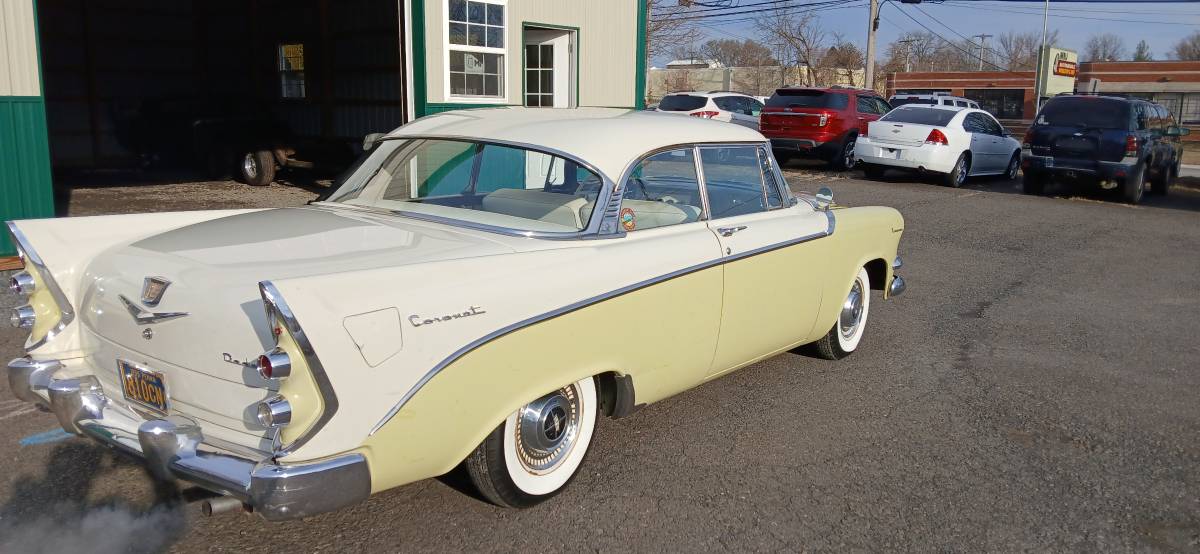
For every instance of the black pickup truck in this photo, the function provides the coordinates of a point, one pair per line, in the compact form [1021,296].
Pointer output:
[1103,140]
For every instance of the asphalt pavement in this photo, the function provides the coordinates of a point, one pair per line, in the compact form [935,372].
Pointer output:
[1036,388]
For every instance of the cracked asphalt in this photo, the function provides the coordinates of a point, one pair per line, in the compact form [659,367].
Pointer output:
[1036,388]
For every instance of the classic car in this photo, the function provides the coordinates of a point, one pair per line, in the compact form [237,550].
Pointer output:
[478,291]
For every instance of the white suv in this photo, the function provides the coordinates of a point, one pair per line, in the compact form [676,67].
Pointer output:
[732,107]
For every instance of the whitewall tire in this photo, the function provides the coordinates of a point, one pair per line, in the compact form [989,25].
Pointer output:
[847,331]
[538,449]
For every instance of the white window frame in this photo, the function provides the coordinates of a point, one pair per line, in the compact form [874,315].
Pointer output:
[450,97]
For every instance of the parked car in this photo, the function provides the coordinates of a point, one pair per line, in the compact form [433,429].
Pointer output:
[935,99]
[955,142]
[824,123]
[730,107]
[1101,140]
[481,290]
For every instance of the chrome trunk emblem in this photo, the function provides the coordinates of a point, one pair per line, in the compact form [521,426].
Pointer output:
[153,289]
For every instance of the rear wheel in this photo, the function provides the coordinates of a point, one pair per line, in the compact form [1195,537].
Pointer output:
[873,171]
[958,175]
[257,168]
[847,332]
[843,159]
[1134,185]
[1032,183]
[538,449]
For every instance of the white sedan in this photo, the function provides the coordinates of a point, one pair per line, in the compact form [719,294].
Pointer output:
[955,142]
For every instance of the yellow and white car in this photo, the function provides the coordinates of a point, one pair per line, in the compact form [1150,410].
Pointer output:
[478,291]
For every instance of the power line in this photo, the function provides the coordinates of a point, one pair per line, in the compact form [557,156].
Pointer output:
[985,48]
[946,40]
[837,5]
[1071,16]
[1065,9]
[757,10]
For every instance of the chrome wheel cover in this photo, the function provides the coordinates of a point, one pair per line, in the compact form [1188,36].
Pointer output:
[250,166]
[852,311]
[961,176]
[547,429]
[1012,168]
[848,155]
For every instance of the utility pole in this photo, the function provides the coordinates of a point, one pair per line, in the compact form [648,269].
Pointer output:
[1037,81]
[907,53]
[982,47]
[872,26]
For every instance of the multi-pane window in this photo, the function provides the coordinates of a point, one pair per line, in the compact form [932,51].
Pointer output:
[539,75]
[476,47]
[291,70]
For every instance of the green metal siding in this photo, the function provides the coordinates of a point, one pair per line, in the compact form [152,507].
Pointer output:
[24,163]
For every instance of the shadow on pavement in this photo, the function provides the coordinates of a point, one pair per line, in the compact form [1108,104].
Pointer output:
[53,513]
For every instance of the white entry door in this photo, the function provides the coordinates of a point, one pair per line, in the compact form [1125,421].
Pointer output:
[548,68]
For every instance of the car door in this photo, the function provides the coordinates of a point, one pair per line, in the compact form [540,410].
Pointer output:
[1003,147]
[739,110]
[983,149]
[772,286]
[867,110]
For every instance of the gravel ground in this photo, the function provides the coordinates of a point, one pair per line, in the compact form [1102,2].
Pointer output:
[1035,389]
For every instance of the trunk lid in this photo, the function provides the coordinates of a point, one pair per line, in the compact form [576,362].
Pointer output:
[214,269]
[902,134]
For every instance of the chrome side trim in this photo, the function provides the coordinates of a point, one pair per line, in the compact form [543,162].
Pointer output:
[67,312]
[278,309]
[429,375]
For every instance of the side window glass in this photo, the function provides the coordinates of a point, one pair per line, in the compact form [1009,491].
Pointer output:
[733,179]
[971,124]
[774,196]
[662,190]
[726,103]
[755,106]
[884,107]
[864,104]
[960,103]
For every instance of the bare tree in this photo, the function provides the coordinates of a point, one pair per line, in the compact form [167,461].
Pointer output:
[735,53]
[916,49]
[1019,51]
[797,38]
[843,60]
[1104,47]
[1142,52]
[666,28]
[1188,48]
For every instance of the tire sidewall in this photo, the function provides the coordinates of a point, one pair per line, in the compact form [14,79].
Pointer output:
[850,344]
[1014,167]
[962,168]
[535,488]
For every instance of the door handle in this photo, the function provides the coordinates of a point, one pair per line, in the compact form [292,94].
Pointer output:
[729,231]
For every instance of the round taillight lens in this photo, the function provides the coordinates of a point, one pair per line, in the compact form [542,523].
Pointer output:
[22,283]
[274,412]
[275,364]
[22,317]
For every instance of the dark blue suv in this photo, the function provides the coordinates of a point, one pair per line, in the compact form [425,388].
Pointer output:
[1102,140]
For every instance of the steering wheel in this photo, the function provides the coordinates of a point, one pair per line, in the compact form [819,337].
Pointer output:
[641,186]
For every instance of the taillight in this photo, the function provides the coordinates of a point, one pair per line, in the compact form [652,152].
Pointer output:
[274,412]
[275,364]
[824,120]
[22,283]
[1131,145]
[23,317]
[705,114]
[936,136]
[1027,142]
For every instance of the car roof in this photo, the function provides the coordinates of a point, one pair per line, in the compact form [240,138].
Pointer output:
[607,138]
[843,90]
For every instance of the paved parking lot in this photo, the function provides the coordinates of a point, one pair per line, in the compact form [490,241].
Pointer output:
[1035,388]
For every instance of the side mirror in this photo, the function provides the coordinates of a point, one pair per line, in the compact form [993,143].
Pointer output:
[371,140]
[1177,131]
[824,197]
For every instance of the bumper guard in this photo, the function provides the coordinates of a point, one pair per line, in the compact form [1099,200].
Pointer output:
[173,448]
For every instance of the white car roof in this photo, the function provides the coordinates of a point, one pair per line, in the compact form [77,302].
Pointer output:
[607,138]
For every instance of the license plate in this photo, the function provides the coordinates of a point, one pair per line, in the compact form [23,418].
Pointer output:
[142,386]
[1049,162]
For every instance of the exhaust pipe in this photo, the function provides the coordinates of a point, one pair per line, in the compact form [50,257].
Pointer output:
[222,504]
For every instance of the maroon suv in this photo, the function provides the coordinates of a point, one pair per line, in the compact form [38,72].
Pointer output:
[820,122]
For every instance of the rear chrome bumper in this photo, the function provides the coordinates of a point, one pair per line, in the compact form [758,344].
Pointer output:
[173,448]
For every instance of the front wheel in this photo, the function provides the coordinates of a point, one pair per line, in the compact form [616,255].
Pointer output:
[1166,178]
[847,332]
[538,449]
[1014,166]
[257,168]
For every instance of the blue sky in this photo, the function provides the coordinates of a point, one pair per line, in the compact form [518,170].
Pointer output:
[1159,24]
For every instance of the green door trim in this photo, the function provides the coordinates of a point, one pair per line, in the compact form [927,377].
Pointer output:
[577,42]
[639,87]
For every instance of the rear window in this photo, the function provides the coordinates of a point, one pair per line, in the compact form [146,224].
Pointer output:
[682,103]
[808,99]
[1103,113]
[913,100]
[920,116]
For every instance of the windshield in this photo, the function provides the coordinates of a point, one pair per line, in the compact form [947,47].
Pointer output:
[785,98]
[489,184]
[682,103]
[1102,113]
[920,116]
